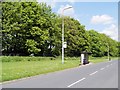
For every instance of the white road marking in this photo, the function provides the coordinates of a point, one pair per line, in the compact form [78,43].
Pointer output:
[111,64]
[102,68]
[76,82]
[94,73]
[107,66]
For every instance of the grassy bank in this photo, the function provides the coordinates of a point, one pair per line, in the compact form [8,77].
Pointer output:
[30,66]
[101,59]
[19,67]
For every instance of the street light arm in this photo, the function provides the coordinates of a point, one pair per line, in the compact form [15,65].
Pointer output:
[66,9]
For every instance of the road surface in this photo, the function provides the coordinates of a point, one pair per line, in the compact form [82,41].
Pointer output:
[101,75]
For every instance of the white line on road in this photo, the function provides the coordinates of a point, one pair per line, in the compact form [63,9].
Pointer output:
[93,73]
[102,68]
[107,66]
[76,82]
[111,64]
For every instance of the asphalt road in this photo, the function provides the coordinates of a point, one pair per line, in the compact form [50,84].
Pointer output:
[101,75]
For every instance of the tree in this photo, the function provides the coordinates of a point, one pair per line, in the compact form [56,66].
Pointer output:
[32,28]
[75,36]
[23,22]
[100,43]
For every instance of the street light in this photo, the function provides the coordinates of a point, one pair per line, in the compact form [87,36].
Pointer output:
[63,33]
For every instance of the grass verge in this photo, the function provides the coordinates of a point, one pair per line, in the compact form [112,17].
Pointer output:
[26,67]
[19,67]
[101,59]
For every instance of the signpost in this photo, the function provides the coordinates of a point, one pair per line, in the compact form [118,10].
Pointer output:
[65,45]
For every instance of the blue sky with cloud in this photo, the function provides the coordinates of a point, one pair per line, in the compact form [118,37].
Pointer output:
[100,16]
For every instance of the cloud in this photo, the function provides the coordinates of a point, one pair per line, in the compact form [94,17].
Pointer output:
[111,31]
[110,28]
[71,1]
[68,12]
[51,3]
[102,19]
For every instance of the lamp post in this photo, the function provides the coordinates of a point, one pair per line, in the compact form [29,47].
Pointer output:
[63,33]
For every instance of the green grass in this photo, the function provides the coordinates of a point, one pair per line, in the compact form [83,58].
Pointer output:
[0,69]
[18,67]
[101,59]
[25,68]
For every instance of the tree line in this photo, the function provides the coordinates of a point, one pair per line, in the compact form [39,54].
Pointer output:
[32,28]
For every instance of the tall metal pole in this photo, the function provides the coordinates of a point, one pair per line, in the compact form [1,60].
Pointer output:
[108,52]
[63,33]
[62,37]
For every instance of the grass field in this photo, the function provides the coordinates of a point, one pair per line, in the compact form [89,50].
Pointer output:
[101,59]
[19,67]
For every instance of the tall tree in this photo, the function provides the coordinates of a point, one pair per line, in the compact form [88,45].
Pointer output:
[32,28]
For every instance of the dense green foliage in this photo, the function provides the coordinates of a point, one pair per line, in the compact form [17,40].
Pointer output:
[32,28]
[100,44]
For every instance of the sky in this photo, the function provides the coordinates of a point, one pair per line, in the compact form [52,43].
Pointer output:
[99,16]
